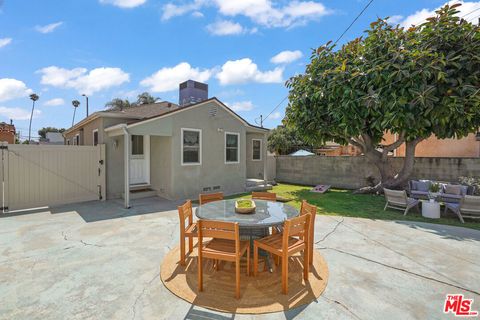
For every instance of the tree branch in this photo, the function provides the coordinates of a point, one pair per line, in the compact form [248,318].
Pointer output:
[357,143]
[396,144]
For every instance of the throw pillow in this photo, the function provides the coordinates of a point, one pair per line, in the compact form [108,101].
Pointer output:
[423,186]
[453,189]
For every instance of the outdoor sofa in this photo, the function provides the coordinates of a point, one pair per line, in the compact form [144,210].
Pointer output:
[449,193]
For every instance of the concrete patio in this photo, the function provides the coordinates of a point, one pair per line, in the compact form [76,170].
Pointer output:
[99,261]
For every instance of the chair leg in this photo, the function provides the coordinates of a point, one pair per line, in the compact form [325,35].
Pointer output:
[182,250]
[248,260]
[459,214]
[285,274]
[306,263]
[190,244]
[406,211]
[386,206]
[200,273]
[255,260]
[237,278]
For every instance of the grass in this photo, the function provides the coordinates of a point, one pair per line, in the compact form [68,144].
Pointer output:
[346,204]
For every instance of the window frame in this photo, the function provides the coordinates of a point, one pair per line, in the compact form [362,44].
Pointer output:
[261,149]
[93,137]
[76,139]
[225,148]
[199,163]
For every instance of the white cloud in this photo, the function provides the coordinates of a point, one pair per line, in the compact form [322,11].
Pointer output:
[124,3]
[96,80]
[49,27]
[244,70]
[171,10]
[287,56]
[240,106]
[275,115]
[54,102]
[262,12]
[197,14]
[12,89]
[17,113]
[420,16]
[168,79]
[225,27]
[395,19]
[5,42]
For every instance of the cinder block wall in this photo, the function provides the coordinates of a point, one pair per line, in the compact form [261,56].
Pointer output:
[357,172]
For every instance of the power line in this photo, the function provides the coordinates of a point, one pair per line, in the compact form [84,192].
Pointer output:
[354,20]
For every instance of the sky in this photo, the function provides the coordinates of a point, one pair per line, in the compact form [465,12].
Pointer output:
[245,50]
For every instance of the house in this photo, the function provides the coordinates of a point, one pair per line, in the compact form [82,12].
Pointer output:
[176,151]
[468,147]
[7,132]
[53,138]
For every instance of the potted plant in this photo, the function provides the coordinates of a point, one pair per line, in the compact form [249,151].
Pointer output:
[245,206]
[434,190]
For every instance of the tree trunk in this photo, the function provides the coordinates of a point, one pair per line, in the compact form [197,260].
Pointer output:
[389,178]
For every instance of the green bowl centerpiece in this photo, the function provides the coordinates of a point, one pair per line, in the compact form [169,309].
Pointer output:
[245,206]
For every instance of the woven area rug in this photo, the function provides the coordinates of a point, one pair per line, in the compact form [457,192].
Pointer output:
[260,294]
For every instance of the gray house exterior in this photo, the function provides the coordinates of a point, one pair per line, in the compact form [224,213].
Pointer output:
[198,148]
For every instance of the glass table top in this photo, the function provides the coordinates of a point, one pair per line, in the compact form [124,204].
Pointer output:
[267,213]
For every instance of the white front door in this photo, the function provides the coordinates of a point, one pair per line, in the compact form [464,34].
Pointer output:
[140,160]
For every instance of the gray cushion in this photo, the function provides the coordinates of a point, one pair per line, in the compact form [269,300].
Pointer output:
[453,189]
[463,190]
[452,196]
[414,185]
[423,185]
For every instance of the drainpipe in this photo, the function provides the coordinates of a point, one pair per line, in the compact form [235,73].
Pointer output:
[264,151]
[126,167]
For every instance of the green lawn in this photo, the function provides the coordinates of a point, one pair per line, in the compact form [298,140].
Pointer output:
[344,203]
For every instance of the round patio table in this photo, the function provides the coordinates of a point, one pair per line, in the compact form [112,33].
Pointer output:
[252,225]
[267,214]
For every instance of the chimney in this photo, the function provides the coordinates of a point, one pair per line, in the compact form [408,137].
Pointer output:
[191,92]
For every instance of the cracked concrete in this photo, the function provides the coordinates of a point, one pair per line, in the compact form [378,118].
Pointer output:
[99,261]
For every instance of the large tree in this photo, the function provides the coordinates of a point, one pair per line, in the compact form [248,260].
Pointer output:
[118,104]
[283,140]
[410,82]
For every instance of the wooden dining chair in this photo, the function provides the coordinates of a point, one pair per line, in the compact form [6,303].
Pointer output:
[307,208]
[293,239]
[225,245]
[204,198]
[269,196]
[188,230]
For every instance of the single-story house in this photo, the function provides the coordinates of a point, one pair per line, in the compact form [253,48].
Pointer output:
[179,152]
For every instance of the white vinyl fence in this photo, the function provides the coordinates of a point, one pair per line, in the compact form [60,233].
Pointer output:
[33,176]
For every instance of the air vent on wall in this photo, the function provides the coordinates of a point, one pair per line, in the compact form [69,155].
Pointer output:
[213,111]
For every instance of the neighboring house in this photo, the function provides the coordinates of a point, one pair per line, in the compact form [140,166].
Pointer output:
[468,147]
[332,149]
[7,132]
[176,151]
[52,138]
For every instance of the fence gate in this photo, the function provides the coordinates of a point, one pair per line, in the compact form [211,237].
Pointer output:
[35,176]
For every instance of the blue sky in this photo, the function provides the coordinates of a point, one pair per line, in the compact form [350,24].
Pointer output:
[119,48]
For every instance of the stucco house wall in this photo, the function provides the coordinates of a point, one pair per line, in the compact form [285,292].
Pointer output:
[160,165]
[255,167]
[189,180]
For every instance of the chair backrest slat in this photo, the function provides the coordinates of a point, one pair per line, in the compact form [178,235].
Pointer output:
[269,196]
[210,197]
[218,229]
[298,226]
[185,212]
[307,208]
[470,203]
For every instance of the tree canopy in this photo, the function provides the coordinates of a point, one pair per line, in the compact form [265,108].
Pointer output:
[282,140]
[412,82]
[43,132]
[118,104]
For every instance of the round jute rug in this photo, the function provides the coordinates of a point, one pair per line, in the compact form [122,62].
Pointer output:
[260,294]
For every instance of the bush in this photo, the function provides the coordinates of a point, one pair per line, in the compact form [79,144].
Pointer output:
[471,181]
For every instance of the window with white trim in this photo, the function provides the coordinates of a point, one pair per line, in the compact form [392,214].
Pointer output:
[76,140]
[191,146]
[232,147]
[95,137]
[256,149]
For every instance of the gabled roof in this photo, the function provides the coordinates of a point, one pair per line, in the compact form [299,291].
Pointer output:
[188,107]
[145,111]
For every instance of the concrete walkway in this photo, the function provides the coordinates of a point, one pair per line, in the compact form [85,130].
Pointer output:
[99,261]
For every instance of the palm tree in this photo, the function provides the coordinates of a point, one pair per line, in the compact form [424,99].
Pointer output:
[34,98]
[118,105]
[146,98]
[75,104]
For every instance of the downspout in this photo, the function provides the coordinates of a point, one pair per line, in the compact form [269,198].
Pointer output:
[126,167]
[264,151]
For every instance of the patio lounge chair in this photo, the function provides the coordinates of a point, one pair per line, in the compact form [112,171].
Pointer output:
[397,199]
[210,197]
[469,207]
[225,245]
[293,239]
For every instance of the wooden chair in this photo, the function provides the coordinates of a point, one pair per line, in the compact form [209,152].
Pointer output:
[397,199]
[225,245]
[269,196]
[210,197]
[307,208]
[186,231]
[293,239]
